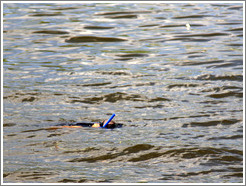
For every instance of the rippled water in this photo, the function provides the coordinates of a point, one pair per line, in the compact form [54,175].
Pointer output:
[172,73]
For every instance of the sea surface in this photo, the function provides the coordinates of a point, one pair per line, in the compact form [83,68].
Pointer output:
[171,72]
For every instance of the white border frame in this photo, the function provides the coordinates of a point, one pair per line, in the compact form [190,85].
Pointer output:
[4,2]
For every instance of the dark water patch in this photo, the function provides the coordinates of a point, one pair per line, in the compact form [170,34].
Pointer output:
[123,12]
[235,29]
[46,14]
[157,99]
[50,32]
[112,98]
[33,175]
[150,25]
[31,136]
[235,7]
[118,96]
[220,77]
[66,180]
[124,59]
[12,135]
[122,17]
[32,130]
[195,56]
[116,73]
[193,116]
[190,63]
[127,151]
[191,16]
[214,34]
[220,5]
[52,135]
[94,84]
[230,23]
[240,175]
[97,27]
[137,148]
[235,44]
[132,55]
[173,25]
[29,99]
[88,149]
[233,137]
[232,87]
[173,155]
[226,160]
[200,173]
[6,174]
[82,39]
[179,25]
[181,154]
[212,102]
[190,174]
[145,157]
[186,85]
[185,39]
[226,94]
[218,89]
[9,124]
[65,8]
[224,65]
[28,96]
[150,106]
[145,84]
[212,123]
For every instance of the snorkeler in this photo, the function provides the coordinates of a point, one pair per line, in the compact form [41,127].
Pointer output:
[108,124]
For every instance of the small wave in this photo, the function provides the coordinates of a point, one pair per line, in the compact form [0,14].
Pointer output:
[112,98]
[212,123]
[191,63]
[185,85]
[220,77]
[118,96]
[145,152]
[226,94]
[127,151]
[33,175]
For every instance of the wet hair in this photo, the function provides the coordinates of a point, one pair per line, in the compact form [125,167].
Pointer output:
[110,125]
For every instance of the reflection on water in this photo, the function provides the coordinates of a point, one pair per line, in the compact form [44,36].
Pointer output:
[177,89]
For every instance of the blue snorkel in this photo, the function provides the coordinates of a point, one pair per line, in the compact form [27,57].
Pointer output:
[108,121]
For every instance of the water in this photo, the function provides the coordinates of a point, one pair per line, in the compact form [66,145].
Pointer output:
[178,91]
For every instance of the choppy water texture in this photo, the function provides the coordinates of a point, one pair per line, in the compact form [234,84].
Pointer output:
[178,90]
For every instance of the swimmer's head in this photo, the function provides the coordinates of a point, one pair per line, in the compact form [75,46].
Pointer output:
[111,124]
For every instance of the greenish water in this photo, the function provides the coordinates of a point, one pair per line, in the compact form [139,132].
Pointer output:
[178,92]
